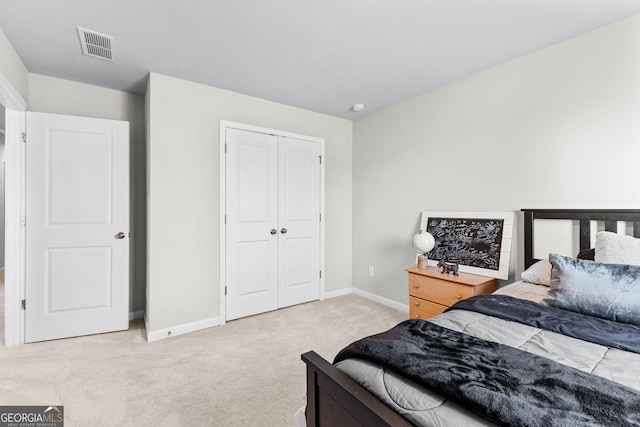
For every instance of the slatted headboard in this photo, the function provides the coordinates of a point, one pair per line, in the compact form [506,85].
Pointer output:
[584,216]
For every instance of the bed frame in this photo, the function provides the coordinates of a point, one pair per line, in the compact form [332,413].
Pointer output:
[335,399]
[584,217]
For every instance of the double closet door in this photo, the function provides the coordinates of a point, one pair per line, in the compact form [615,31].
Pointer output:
[272,222]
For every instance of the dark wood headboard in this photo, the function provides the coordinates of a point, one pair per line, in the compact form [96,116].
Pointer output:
[584,216]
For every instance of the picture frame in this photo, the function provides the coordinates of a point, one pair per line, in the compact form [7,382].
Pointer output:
[479,242]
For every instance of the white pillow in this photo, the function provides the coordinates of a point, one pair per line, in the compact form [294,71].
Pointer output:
[614,248]
[539,273]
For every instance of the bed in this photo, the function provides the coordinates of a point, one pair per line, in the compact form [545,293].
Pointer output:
[556,348]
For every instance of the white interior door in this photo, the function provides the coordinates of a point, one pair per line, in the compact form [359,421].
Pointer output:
[299,222]
[77,226]
[252,221]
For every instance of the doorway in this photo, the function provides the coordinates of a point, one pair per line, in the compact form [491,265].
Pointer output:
[2,223]
[14,107]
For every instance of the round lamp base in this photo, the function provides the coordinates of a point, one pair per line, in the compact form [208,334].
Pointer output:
[422,262]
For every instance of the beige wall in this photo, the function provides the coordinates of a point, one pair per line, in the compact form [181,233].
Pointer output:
[52,95]
[559,128]
[12,68]
[184,209]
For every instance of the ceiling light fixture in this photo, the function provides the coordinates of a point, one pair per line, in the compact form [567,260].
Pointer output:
[357,107]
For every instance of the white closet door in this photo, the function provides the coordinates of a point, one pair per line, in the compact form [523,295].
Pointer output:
[252,220]
[299,222]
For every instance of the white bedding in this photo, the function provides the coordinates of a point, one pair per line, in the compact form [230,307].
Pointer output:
[425,408]
[525,290]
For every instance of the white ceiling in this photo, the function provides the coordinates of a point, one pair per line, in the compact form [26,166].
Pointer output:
[322,55]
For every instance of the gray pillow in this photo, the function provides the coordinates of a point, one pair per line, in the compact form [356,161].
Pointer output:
[608,291]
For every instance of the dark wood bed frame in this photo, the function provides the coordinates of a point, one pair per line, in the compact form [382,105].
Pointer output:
[335,399]
[584,216]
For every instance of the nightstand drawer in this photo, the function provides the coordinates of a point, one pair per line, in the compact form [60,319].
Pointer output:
[420,305]
[437,290]
[420,314]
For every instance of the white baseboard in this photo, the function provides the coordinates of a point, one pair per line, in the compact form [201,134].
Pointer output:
[180,329]
[133,315]
[381,300]
[338,293]
[146,325]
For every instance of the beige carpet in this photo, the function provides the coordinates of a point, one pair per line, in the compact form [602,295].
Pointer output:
[245,373]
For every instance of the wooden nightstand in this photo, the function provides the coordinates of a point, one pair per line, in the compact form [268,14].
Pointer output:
[432,292]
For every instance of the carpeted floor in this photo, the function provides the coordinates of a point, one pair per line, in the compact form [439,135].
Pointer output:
[245,373]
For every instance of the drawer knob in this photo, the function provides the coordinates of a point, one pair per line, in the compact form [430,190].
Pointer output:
[416,286]
[459,296]
[417,316]
[417,303]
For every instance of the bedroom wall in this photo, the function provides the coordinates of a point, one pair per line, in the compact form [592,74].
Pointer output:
[558,128]
[12,68]
[184,210]
[52,95]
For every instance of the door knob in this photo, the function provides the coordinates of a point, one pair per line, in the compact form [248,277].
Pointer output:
[283,230]
[273,231]
[120,235]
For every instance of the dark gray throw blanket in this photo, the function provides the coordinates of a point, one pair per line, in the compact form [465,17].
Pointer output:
[500,383]
[605,332]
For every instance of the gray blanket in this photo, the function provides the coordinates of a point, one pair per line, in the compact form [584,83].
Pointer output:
[500,383]
[623,336]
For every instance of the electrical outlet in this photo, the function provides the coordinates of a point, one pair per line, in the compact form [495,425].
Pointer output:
[371,271]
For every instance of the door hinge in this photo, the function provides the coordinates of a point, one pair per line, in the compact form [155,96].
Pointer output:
[225,291]
[321,274]
[23,221]
[225,220]
[320,217]
[24,304]
[24,137]
[320,157]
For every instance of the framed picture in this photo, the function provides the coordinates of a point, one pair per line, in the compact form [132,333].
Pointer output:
[480,242]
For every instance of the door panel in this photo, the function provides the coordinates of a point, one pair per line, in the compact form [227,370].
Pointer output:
[69,288]
[254,277]
[299,214]
[255,160]
[80,192]
[77,174]
[299,267]
[252,212]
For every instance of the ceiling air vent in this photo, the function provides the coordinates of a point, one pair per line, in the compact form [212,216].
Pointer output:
[96,44]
